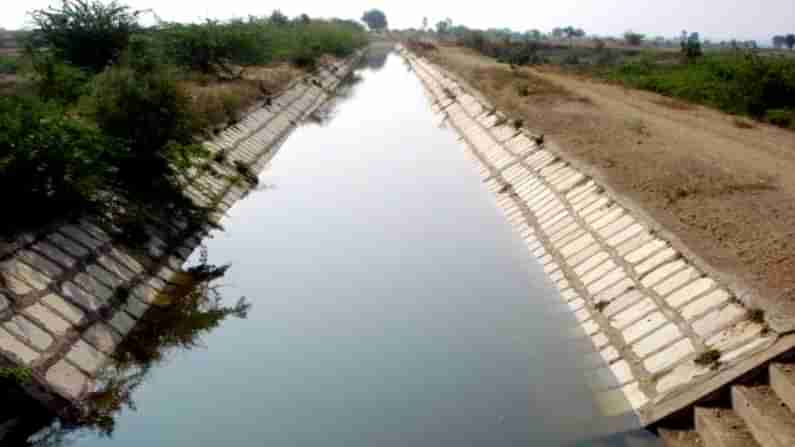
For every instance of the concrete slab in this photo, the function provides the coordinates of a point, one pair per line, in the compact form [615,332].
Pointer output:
[14,349]
[722,428]
[768,419]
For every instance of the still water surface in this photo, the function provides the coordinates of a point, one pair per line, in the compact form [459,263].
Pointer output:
[392,304]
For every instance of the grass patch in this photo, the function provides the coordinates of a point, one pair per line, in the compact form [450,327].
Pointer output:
[742,84]
[707,358]
[17,375]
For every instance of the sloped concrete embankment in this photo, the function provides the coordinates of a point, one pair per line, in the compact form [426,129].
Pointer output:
[666,332]
[70,294]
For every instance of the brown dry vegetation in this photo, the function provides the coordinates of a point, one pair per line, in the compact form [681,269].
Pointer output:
[725,189]
[218,101]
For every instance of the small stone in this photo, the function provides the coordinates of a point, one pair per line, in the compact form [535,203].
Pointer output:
[47,318]
[105,277]
[82,298]
[101,336]
[29,332]
[4,303]
[86,357]
[52,252]
[78,235]
[68,311]
[67,245]
[122,322]
[16,349]
[135,307]
[67,379]
[40,263]
[93,286]
[22,271]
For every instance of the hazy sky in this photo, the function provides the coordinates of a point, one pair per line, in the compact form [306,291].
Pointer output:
[717,19]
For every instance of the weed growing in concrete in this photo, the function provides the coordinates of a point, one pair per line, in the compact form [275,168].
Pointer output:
[17,375]
[756,316]
[245,171]
[708,358]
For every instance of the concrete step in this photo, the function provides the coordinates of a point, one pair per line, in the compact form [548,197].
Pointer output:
[680,438]
[767,417]
[722,428]
[782,380]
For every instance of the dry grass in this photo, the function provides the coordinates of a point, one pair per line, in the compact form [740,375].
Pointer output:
[218,102]
[743,124]
[674,104]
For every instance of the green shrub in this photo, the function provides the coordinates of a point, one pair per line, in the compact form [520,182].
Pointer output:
[9,64]
[56,80]
[150,113]
[55,165]
[781,117]
[741,84]
[87,33]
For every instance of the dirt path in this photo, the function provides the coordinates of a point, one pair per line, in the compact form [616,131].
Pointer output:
[725,187]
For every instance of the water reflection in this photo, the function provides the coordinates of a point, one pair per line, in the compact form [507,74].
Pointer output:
[373,61]
[190,308]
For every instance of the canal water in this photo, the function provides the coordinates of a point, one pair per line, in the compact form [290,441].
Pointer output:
[392,304]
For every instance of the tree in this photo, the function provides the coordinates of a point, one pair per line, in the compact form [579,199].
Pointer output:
[278,18]
[691,46]
[443,26]
[89,34]
[633,38]
[375,19]
[779,42]
[790,41]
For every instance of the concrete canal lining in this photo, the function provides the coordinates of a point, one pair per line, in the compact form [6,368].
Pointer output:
[71,293]
[668,330]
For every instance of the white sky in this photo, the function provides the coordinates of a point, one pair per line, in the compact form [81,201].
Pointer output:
[716,19]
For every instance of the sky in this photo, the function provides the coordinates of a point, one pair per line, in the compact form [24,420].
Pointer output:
[714,19]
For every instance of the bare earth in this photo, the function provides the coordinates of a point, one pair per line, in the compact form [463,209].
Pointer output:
[724,186]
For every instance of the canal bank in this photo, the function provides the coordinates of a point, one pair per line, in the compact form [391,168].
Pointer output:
[672,329]
[392,304]
[71,293]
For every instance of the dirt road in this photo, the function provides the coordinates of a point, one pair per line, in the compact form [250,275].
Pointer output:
[724,186]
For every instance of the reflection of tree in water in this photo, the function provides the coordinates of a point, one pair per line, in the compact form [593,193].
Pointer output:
[188,310]
[345,92]
[375,58]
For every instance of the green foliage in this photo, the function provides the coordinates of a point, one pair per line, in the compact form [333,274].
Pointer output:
[209,46]
[691,47]
[58,81]
[212,46]
[781,117]
[54,164]
[86,33]
[745,84]
[152,115]
[17,375]
[633,38]
[375,19]
[9,64]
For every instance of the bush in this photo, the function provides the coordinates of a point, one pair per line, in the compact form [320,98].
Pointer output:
[781,117]
[8,65]
[87,33]
[741,84]
[152,115]
[58,81]
[55,165]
